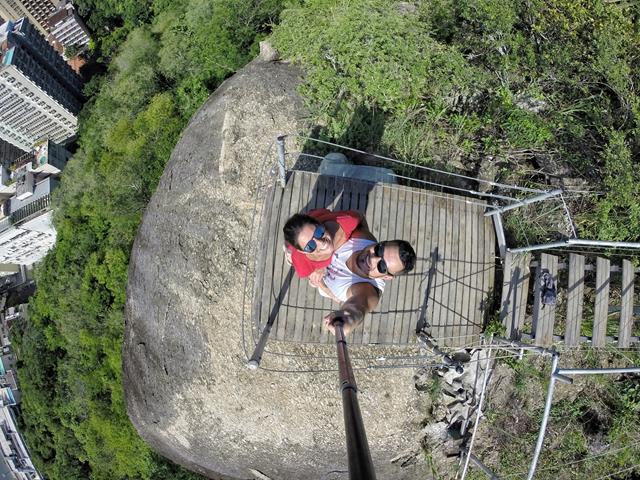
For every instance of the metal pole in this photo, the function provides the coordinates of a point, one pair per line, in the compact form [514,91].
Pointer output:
[589,371]
[479,413]
[515,344]
[526,201]
[254,361]
[545,417]
[476,461]
[360,464]
[531,248]
[499,229]
[602,243]
[576,241]
[256,357]
[281,160]
[426,342]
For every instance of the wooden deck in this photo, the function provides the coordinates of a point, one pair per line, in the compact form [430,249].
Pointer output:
[454,243]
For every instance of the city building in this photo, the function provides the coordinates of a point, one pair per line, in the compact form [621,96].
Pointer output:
[26,229]
[37,11]
[9,153]
[66,27]
[15,461]
[40,95]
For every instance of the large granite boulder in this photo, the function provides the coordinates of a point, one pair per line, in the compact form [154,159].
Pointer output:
[188,390]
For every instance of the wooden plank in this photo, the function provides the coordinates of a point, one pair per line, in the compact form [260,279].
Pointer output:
[550,310]
[358,188]
[391,288]
[274,275]
[417,241]
[489,264]
[304,295]
[515,287]
[432,221]
[626,311]
[259,281]
[460,271]
[425,241]
[545,314]
[317,189]
[438,316]
[409,287]
[523,291]
[329,193]
[575,299]
[402,229]
[600,309]
[378,227]
[287,315]
[473,257]
[321,192]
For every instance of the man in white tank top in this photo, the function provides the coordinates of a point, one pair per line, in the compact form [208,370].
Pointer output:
[357,273]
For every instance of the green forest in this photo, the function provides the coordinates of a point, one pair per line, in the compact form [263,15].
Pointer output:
[438,82]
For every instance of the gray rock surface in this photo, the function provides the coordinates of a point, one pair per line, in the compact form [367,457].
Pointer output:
[188,391]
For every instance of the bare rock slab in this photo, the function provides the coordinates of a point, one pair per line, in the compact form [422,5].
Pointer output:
[188,391]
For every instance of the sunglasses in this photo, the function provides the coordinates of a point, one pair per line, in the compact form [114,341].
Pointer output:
[311,246]
[378,251]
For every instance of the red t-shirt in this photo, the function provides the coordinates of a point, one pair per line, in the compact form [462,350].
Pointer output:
[348,221]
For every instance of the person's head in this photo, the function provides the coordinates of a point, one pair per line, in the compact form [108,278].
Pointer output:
[307,234]
[387,260]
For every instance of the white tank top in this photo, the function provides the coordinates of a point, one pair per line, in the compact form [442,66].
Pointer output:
[339,278]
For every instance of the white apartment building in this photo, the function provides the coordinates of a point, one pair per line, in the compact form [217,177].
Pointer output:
[67,27]
[40,95]
[37,11]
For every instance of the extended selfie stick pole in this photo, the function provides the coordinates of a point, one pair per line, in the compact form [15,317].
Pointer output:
[360,464]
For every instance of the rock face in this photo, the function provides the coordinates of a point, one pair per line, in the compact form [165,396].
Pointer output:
[188,391]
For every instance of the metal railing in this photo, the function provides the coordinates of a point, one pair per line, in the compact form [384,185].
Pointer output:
[556,374]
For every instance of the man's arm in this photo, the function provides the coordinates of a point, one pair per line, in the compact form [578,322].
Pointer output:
[363,298]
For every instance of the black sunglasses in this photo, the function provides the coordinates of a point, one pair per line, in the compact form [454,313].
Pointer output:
[311,245]
[378,251]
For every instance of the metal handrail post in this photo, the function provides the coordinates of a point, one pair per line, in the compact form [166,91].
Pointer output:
[526,201]
[478,463]
[545,417]
[576,241]
[281,160]
[479,414]
[596,371]
[426,341]
[517,345]
[256,357]
[360,463]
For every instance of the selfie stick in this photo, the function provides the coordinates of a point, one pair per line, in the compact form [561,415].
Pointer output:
[360,464]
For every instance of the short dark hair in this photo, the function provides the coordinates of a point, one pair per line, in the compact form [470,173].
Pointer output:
[294,225]
[406,253]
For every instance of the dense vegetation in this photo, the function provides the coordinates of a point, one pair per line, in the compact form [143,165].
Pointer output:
[594,425]
[174,55]
[540,90]
[531,84]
